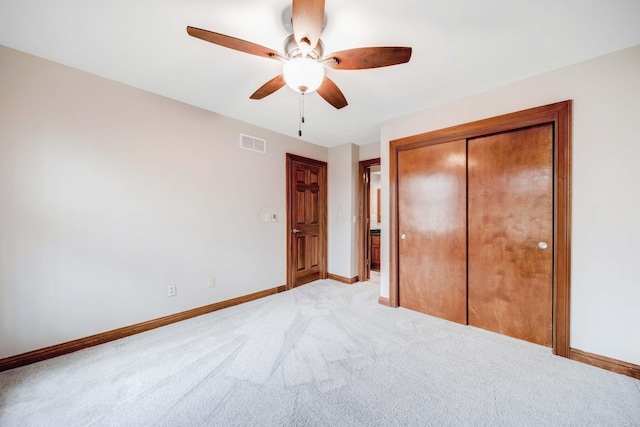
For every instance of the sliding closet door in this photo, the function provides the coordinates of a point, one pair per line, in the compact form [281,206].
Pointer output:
[510,177]
[432,223]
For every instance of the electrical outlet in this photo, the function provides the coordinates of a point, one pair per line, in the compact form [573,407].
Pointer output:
[212,282]
[171,290]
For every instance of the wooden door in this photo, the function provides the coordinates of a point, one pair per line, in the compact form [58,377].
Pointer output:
[511,233]
[558,116]
[432,222]
[307,212]
[375,253]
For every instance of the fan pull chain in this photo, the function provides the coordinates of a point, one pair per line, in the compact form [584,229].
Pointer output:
[301,114]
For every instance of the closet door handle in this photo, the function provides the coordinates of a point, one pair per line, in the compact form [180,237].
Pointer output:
[403,236]
[543,245]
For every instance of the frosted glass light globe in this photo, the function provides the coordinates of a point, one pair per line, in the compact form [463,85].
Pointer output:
[303,75]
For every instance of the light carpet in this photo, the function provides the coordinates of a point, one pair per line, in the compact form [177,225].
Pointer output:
[324,354]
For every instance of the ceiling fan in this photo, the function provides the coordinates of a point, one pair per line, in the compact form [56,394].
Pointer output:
[303,69]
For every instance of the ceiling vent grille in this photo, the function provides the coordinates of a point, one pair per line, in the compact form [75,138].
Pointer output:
[252,143]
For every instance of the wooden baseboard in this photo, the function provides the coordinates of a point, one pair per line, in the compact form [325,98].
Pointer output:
[384,301]
[343,279]
[607,363]
[79,344]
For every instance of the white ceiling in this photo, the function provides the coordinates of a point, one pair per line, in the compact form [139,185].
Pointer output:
[459,48]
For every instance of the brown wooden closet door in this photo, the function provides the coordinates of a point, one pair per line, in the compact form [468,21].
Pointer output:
[432,223]
[510,177]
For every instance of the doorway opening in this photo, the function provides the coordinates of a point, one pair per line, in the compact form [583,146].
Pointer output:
[369,236]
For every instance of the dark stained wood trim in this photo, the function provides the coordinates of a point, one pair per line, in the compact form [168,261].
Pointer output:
[562,229]
[343,279]
[531,117]
[281,288]
[607,363]
[394,148]
[384,301]
[104,337]
[290,158]
[559,114]
[363,214]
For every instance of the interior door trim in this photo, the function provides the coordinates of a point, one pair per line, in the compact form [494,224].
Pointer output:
[364,216]
[559,115]
[291,158]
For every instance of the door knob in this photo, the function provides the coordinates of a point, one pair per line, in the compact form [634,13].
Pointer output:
[543,245]
[403,236]
[295,230]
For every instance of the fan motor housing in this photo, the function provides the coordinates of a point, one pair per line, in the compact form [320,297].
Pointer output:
[293,50]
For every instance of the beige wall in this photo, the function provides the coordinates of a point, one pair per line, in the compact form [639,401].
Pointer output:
[343,205]
[369,151]
[605,284]
[108,194]
[373,201]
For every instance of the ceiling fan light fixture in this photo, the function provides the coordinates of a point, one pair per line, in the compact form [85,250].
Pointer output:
[304,75]
[303,56]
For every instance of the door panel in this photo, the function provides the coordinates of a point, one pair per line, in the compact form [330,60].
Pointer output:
[432,216]
[301,263]
[510,178]
[307,210]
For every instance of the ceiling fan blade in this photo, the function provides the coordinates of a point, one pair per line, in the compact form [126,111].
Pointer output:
[307,17]
[330,92]
[234,43]
[367,57]
[269,87]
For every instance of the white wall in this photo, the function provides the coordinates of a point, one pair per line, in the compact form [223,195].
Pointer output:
[369,151]
[108,194]
[343,199]
[373,201]
[605,282]
[355,201]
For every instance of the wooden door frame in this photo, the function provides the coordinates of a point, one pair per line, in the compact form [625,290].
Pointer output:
[559,115]
[364,216]
[291,158]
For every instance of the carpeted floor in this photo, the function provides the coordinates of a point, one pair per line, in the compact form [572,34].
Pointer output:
[324,354]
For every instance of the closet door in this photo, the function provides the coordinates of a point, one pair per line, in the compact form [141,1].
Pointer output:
[510,178]
[432,222]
